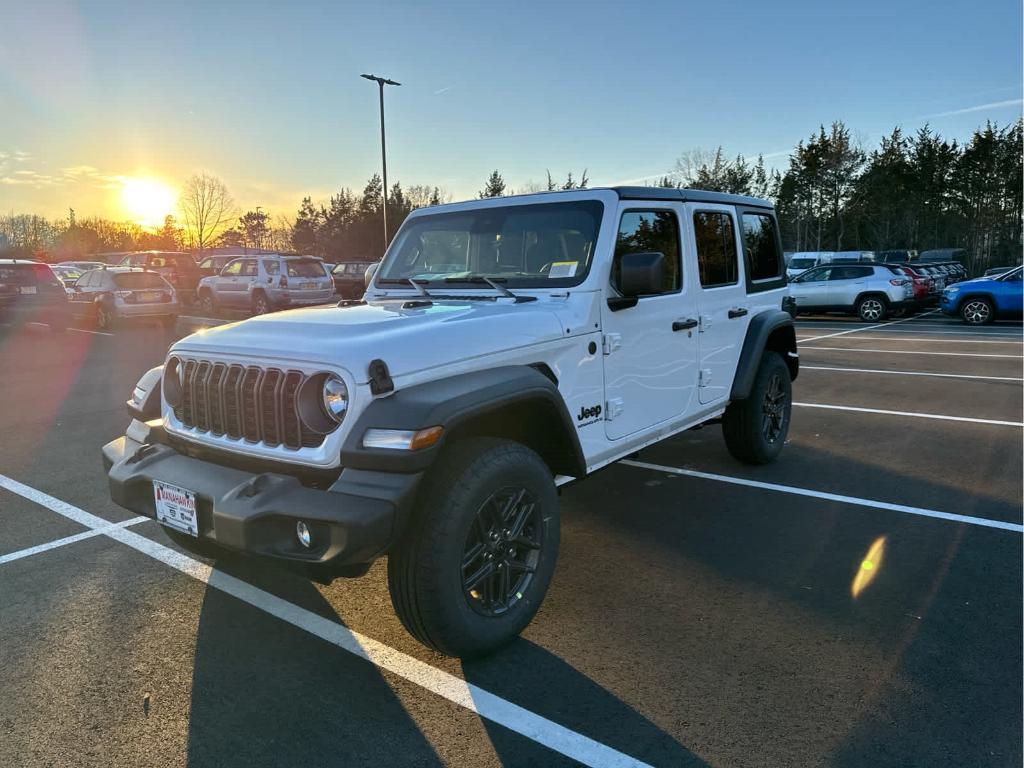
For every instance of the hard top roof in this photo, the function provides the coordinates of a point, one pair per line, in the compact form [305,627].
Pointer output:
[687,196]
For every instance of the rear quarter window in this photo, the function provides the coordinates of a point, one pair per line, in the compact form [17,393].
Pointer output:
[764,262]
[305,268]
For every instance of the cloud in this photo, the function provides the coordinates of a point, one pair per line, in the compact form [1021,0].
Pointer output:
[80,170]
[976,108]
[443,90]
[21,157]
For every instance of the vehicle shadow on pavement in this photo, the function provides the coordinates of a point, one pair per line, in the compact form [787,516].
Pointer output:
[534,678]
[267,693]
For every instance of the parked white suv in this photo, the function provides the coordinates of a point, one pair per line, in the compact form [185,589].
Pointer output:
[504,347]
[870,291]
[264,283]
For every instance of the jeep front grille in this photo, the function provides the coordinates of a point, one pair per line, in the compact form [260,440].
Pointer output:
[260,405]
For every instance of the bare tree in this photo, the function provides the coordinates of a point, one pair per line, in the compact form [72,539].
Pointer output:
[206,206]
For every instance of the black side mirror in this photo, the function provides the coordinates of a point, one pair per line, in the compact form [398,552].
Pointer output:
[640,274]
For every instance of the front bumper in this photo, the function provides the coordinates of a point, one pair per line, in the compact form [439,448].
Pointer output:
[353,520]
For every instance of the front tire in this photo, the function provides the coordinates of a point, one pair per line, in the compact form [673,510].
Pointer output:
[755,429]
[208,304]
[977,311]
[476,559]
[872,309]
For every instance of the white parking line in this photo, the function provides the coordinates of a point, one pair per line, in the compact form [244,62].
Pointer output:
[76,330]
[864,328]
[909,373]
[796,491]
[913,414]
[912,352]
[932,341]
[92,532]
[913,329]
[456,690]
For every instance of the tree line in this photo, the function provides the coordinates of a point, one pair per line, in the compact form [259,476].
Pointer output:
[917,192]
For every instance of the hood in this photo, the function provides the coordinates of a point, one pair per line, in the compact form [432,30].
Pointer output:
[408,340]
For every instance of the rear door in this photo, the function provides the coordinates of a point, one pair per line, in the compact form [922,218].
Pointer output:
[722,298]
[810,289]
[650,349]
[845,283]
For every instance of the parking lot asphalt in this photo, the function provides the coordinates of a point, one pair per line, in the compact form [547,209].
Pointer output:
[856,603]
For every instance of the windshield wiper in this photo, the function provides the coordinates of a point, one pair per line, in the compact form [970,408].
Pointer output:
[418,285]
[493,282]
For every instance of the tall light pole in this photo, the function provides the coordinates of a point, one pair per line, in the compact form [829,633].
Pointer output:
[381,82]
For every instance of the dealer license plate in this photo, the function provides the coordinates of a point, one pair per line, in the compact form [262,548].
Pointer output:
[176,507]
[27,290]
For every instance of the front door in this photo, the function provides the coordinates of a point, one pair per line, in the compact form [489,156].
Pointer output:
[650,349]
[229,286]
[810,289]
[724,309]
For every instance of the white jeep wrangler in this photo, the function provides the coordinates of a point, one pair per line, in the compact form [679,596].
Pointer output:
[504,347]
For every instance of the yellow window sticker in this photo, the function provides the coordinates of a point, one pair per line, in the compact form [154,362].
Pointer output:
[563,269]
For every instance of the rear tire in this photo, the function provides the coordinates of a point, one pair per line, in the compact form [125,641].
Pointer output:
[475,561]
[106,319]
[977,311]
[755,429]
[872,309]
[260,303]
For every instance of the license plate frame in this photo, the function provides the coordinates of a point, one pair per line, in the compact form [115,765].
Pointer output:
[176,507]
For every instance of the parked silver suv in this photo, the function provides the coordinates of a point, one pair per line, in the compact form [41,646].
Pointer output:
[870,291]
[264,283]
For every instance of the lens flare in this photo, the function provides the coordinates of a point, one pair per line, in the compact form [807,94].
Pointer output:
[869,567]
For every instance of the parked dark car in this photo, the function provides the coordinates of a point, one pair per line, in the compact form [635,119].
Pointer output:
[958,255]
[112,295]
[31,293]
[212,265]
[348,279]
[179,269]
[897,256]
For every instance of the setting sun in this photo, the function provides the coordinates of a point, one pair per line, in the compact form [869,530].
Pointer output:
[147,201]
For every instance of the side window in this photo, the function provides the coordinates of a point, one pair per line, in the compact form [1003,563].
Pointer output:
[85,280]
[271,267]
[647,231]
[206,263]
[716,248]
[842,273]
[761,246]
[815,275]
[250,268]
[155,262]
[234,268]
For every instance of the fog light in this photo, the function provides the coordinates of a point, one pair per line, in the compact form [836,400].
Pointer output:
[303,534]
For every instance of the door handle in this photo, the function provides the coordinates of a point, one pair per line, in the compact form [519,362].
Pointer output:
[684,325]
[737,312]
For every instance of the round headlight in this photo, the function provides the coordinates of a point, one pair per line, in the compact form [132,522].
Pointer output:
[335,398]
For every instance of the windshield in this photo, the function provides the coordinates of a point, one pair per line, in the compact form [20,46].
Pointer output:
[539,245]
[801,263]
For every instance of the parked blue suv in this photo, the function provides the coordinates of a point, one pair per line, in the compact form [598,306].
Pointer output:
[983,299]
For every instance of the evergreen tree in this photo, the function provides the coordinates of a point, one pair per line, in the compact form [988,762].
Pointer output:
[495,186]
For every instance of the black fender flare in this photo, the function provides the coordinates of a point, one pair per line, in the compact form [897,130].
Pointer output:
[771,329]
[456,403]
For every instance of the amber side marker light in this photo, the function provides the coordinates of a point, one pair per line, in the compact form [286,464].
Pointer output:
[402,439]
[869,567]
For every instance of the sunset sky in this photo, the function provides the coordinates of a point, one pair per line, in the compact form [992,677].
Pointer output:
[97,96]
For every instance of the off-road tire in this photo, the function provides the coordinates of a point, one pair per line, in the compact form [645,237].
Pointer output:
[425,567]
[745,422]
[872,309]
